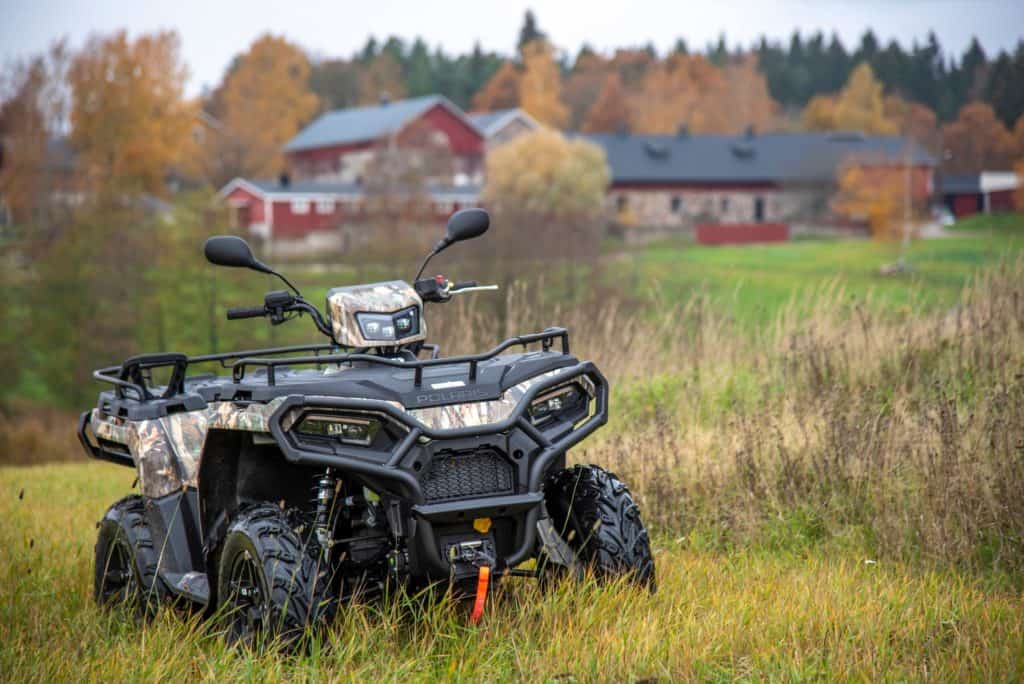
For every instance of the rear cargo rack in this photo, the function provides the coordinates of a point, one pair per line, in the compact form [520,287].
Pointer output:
[130,376]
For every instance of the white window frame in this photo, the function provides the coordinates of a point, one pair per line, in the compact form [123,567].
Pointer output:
[300,206]
[325,206]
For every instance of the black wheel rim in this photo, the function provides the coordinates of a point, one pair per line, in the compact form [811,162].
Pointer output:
[118,584]
[246,602]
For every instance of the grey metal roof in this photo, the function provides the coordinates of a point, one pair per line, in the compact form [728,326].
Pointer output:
[964,184]
[773,158]
[484,120]
[313,187]
[358,124]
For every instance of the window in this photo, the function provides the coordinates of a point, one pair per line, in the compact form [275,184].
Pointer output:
[759,210]
[723,204]
[677,204]
[325,206]
[621,203]
[300,206]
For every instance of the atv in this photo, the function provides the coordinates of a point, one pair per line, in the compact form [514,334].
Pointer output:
[308,475]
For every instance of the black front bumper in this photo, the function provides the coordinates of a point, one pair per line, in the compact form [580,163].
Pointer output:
[390,472]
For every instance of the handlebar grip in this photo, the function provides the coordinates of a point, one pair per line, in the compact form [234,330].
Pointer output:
[468,283]
[246,312]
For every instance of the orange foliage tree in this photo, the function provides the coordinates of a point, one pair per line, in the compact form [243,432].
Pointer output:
[264,101]
[30,117]
[609,112]
[583,86]
[977,141]
[737,100]
[501,91]
[671,95]
[540,89]
[129,119]
[874,194]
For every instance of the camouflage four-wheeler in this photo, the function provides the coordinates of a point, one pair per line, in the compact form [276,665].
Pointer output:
[309,475]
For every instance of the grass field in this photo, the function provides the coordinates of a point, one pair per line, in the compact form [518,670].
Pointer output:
[816,615]
[834,495]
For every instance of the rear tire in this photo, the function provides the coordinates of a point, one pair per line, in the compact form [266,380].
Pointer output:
[125,570]
[270,585]
[593,511]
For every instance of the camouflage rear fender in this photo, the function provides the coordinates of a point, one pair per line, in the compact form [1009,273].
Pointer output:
[167,451]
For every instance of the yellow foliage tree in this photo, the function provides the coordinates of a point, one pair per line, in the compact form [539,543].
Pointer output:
[129,119]
[265,100]
[501,91]
[860,106]
[914,120]
[820,114]
[541,85]
[546,174]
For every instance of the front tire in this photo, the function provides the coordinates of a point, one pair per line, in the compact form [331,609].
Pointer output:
[269,583]
[594,512]
[125,570]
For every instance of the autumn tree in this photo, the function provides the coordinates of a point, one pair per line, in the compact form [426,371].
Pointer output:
[541,85]
[672,94]
[609,113]
[263,102]
[859,106]
[737,100]
[129,120]
[583,86]
[914,120]
[501,91]
[875,195]
[549,191]
[34,106]
[381,78]
[976,141]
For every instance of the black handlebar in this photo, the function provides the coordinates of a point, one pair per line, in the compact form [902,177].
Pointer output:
[468,283]
[246,312]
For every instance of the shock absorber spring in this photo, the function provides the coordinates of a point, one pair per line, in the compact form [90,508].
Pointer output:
[324,491]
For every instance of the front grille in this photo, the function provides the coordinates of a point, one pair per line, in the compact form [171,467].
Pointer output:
[465,474]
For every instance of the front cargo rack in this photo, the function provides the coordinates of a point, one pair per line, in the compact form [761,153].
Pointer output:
[130,376]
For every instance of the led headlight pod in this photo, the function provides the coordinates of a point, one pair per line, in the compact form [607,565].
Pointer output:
[346,429]
[560,400]
[378,327]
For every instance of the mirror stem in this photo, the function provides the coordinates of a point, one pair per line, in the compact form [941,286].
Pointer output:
[439,247]
[286,282]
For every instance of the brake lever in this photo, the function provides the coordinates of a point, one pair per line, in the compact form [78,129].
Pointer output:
[473,288]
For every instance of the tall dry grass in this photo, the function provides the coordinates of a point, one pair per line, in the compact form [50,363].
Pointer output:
[904,433]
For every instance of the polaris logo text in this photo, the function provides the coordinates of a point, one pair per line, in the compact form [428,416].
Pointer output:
[452,397]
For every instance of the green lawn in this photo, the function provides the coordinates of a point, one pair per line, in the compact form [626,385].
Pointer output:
[754,281]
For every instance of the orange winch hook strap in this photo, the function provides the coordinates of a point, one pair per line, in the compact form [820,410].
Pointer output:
[481,594]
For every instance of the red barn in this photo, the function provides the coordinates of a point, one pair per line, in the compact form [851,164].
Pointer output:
[338,146]
[332,161]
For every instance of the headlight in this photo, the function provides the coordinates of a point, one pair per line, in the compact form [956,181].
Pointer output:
[346,429]
[559,401]
[389,327]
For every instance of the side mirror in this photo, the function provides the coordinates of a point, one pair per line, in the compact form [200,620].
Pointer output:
[467,224]
[234,252]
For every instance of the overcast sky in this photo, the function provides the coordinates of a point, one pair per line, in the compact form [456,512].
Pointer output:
[212,31]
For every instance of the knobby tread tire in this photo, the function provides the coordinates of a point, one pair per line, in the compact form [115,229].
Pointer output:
[128,517]
[597,516]
[300,592]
